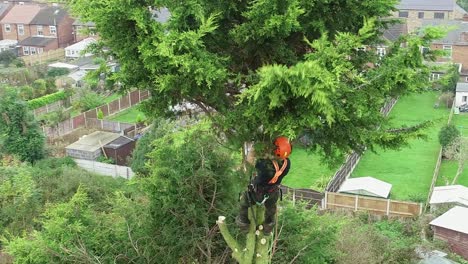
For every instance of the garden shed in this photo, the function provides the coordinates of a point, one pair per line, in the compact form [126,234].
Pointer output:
[76,50]
[449,195]
[367,186]
[452,227]
[89,147]
[120,150]
[461,96]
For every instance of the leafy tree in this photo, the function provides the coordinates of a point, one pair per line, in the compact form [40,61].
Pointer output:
[55,72]
[260,69]
[19,132]
[449,80]
[87,100]
[457,150]
[448,134]
[463,4]
[7,57]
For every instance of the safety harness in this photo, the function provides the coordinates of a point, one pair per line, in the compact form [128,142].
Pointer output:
[253,190]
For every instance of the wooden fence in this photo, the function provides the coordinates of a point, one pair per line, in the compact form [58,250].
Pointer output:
[375,206]
[353,159]
[105,169]
[90,116]
[309,196]
[44,57]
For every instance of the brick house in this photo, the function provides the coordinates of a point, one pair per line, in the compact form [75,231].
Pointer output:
[50,29]
[16,23]
[82,30]
[391,34]
[4,8]
[452,227]
[416,11]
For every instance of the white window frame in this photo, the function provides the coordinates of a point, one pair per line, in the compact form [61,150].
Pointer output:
[33,50]
[7,28]
[434,76]
[20,28]
[53,30]
[92,31]
[464,98]
[381,51]
[40,30]
[439,13]
[447,48]
[25,50]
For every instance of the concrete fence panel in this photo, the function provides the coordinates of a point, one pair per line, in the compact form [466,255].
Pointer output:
[105,169]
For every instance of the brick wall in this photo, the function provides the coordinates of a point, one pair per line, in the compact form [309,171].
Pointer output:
[459,54]
[13,34]
[415,22]
[65,31]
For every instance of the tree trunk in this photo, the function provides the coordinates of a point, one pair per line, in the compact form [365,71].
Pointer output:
[257,245]
[461,166]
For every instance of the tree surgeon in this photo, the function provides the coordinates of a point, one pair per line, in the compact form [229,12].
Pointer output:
[264,188]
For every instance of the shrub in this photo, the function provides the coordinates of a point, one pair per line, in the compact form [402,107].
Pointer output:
[107,160]
[7,57]
[88,100]
[447,135]
[47,99]
[55,72]
[100,114]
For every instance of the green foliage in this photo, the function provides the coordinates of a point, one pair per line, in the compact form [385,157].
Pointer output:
[7,57]
[52,119]
[449,80]
[19,131]
[108,160]
[87,100]
[55,72]
[144,146]
[100,114]
[47,99]
[448,134]
[192,182]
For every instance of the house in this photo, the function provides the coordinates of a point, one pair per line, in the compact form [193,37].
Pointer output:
[452,227]
[449,195]
[76,50]
[368,186]
[120,150]
[391,34]
[16,23]
[455,43]
[83,30]
[90,147]
[19,2]
[4,8]
[416,11]
[461,94]
[50,29]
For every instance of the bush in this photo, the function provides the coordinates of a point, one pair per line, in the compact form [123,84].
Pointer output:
[47,99]
[107,160]
[447,135]
[55,72]
[88,100]
[7,57]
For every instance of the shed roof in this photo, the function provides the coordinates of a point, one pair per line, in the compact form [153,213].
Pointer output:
[450,194]
[429,5]
[366,186]
[454,219]
[77,75]
[93,141]
[63,65]
[119,142]
[49,16]
[21,14]
[36,41]
[462,87]
[81,45]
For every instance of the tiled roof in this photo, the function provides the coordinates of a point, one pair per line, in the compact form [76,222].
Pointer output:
[21,14]
[79,23]
[36,41]
[454,35]
[49,16]
[393,32]
[427,5]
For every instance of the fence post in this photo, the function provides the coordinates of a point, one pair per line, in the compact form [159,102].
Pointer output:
[119,103]
[85,120]
[388,206]
[119,126]
[139,95]
[356,202]
[130,99]
[108,109]
[294,197]
[325,206]
[102,124]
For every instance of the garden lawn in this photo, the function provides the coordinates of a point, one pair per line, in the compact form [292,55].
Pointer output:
[448,168]
[128,115]
[308,171]
[410,169]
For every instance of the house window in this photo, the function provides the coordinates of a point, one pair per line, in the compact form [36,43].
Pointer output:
[32,50]
[40,31]
[7,28]
[448,51]
[439,15]
[466,79]
[25,50]
[420,14]
[92,31]
[434,77]
[424,50]
[53,30]
[20,29]
[68,53]
[40,50]
[403,14]
[381,51]
[464,99]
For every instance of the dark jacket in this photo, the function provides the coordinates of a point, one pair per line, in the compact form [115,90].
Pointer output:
[266,171]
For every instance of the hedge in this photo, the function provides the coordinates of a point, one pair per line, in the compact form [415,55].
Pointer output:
[47,99]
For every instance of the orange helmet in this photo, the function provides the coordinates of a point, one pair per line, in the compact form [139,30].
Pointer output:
[283,147]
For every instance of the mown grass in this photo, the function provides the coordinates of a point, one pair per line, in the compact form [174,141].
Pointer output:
[410,169]
[129,115]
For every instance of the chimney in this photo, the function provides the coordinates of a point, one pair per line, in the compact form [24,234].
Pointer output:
[465,17]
